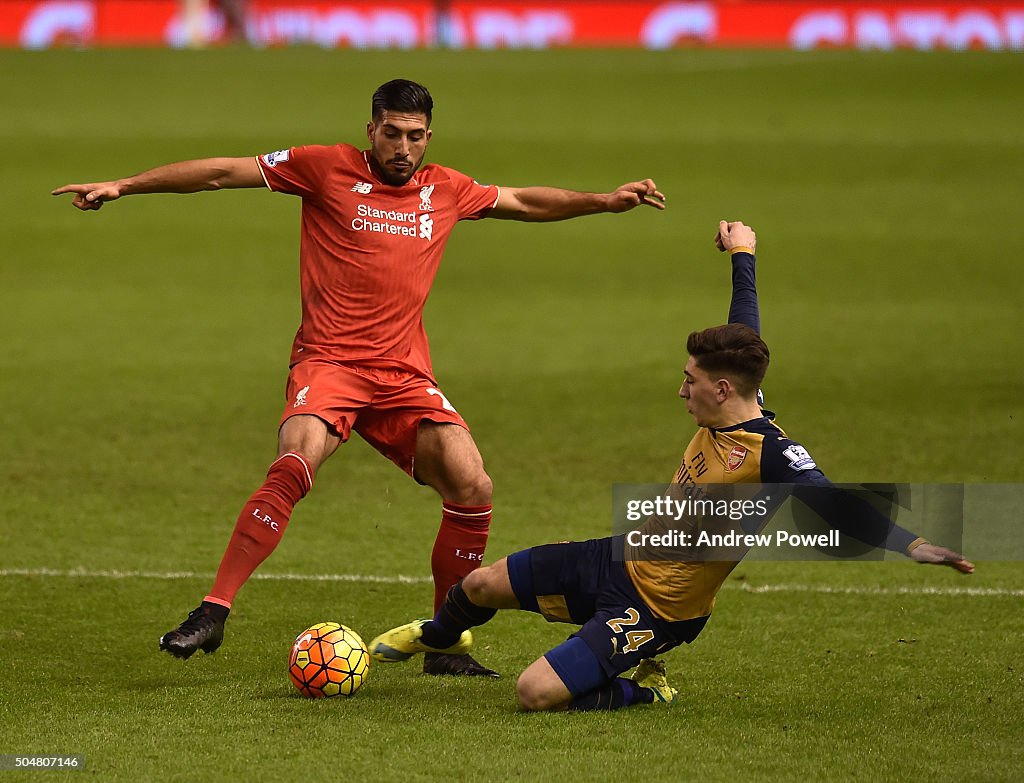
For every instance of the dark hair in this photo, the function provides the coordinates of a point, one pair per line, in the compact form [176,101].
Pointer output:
[734,351]
[404,96]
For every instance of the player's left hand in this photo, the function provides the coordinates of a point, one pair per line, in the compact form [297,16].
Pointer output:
[938,555]
[633,194]
[735,234]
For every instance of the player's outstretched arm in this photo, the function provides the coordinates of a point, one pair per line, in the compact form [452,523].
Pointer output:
[787,463]
[853,516]
[190,176]
[541,204]
[741,242]
[938,555]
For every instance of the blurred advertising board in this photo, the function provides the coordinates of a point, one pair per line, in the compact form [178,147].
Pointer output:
[40,24]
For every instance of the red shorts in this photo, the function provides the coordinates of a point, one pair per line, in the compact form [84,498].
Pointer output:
[385,406]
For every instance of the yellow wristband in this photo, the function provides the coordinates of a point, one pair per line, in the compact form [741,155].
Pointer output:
[740,249]
[915,544]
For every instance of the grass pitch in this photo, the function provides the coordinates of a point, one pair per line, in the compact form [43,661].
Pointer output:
[144,358]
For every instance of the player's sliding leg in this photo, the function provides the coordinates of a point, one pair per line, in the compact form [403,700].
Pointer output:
[448,460]
[568,583]
[570,677]
[304,443]
[471,602]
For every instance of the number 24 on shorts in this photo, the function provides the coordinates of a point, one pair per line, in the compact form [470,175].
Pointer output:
[634,639]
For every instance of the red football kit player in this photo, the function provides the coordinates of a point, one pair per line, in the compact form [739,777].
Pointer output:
[360,359]
[374,225]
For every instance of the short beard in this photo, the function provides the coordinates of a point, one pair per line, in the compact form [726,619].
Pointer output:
[388,178]
[394,179]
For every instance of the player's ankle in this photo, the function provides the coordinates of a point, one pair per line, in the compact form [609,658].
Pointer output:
[433,634]
[645,696]
[217,611]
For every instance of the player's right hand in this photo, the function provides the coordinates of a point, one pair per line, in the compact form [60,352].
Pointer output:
[92,195]
[735,234]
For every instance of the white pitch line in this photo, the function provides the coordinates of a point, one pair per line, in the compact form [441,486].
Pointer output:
[855,590]
[403,579]
[397,579]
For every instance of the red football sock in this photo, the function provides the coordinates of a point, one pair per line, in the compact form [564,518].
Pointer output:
[261,524]
[459,547]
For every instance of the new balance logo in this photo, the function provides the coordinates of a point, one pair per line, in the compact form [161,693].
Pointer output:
[300,398]
[426,227]
[362,187]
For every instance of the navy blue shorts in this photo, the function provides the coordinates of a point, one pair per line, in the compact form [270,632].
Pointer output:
[582,583]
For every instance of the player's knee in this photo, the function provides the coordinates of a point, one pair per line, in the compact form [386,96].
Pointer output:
[310,438]
[485,487]
[474,489]
[474,584]
[477,489]
[480,585]
[534,695]
[310,456]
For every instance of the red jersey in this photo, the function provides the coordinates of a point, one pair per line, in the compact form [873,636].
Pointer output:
[369,251]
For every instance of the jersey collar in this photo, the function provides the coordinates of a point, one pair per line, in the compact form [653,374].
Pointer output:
[743,425]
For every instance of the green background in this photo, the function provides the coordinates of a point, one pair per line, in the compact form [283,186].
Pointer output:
[144,353]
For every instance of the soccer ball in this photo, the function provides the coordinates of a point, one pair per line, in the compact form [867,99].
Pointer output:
[328,659]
